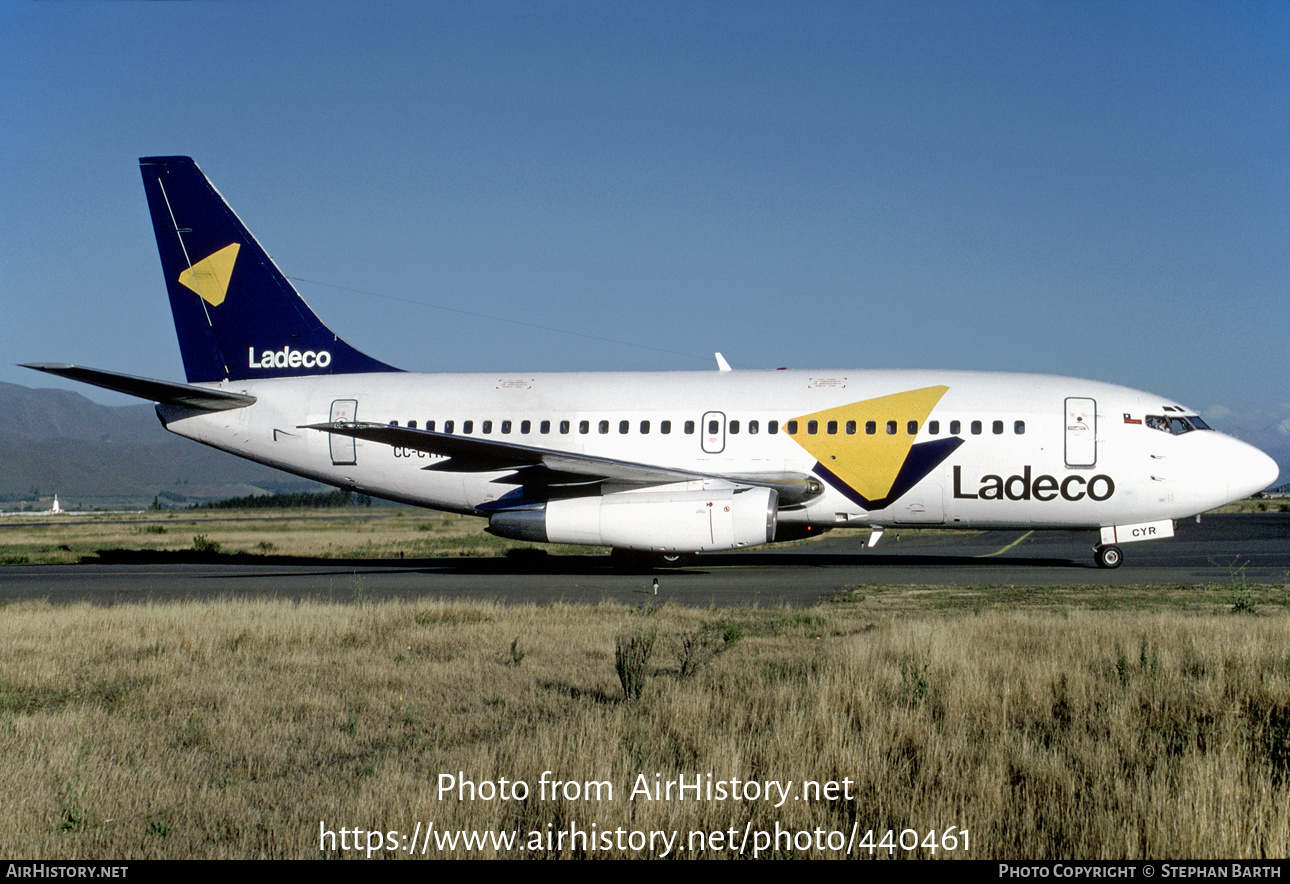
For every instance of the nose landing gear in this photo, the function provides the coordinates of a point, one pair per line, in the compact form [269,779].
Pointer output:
[1108,556]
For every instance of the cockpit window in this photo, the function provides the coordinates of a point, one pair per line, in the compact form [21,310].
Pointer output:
[1176,425]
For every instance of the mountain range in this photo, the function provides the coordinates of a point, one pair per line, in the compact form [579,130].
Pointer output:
[92,455]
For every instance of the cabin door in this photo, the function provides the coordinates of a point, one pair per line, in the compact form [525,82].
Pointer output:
[1081,432]
[342,447]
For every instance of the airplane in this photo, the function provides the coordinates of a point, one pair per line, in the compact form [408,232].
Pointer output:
[658,466]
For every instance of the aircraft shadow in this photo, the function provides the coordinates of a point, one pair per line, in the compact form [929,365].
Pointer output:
[537,562]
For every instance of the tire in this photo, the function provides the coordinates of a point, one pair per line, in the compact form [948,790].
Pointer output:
[1109,557]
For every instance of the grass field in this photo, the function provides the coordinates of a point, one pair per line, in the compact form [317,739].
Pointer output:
[967,722]
[245,729]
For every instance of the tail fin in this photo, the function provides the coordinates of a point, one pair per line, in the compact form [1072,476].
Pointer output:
[236,315]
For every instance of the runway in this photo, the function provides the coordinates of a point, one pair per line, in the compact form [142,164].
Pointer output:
[1219,550]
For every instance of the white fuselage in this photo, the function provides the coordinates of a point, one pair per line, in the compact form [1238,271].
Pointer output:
[1035,450]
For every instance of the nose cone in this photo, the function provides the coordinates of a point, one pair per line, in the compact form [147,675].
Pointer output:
[1249,470]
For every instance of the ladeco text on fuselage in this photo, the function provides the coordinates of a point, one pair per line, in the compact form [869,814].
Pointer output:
[1022,487]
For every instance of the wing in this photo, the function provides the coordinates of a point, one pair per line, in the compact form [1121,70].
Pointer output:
[545,466]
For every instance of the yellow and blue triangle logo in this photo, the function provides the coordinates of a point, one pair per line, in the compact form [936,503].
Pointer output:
[209,277]
[875,466]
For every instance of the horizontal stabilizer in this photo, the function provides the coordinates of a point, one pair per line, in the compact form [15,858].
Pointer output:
[167,392]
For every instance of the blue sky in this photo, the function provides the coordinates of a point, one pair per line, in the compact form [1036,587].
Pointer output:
[1093,189]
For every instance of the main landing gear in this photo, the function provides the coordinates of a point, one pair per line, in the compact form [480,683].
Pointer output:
[1108,556]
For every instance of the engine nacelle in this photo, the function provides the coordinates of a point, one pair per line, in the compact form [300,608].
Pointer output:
[680,521]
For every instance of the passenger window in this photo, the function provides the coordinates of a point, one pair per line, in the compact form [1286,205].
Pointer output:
[525,427]
[870,427]
[812,427]
[412,425]
[603,427]
[506,427]
[468,427]
[734,426]
[665,427]
[891,428]
[430,426]
[584,427]
[934,427]
[752,428]
[832,427]
[624,426]
[955,428]
[644,428]
[394,423]
[773,428]
[998,428]
[791,428]
[912,428]
[976,428]
[689,428]
[486,427]
[713,428]
[851,428]
[447,426]
[1019,428]
[564,427]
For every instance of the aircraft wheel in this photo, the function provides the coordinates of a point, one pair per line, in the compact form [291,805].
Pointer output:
[675,560]
[1109,557]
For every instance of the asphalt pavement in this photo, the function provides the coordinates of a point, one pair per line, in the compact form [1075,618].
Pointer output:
[1218,550]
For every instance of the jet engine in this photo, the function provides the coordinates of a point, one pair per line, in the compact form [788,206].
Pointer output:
[653,520]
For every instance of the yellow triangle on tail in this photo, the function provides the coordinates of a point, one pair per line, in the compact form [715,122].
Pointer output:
[209,277]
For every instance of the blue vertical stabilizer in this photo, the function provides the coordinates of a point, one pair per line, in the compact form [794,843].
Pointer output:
[236,315]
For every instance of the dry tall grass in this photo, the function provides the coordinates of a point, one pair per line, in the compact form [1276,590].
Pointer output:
[236,729]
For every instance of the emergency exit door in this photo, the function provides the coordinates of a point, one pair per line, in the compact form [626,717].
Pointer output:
[714,432]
